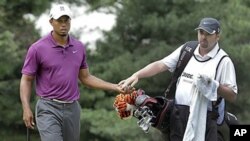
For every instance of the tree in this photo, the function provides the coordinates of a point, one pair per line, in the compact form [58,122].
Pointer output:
[145,31]
[148,31]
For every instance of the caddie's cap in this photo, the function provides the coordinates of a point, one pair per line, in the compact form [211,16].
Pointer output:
[59,10]
[210,25]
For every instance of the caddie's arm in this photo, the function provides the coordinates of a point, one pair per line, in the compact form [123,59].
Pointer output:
[227,93]
[228,86]
[25,94]
[208,86]
[148,71]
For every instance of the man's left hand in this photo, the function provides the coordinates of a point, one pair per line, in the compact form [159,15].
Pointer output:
[207,86]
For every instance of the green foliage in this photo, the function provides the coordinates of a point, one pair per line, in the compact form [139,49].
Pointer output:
[9,103]
[96,4]
[145,31]
[239,56]
[148,31]
[9,52]
[18,135]
[103,125]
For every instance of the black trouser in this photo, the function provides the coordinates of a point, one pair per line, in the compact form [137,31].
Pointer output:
[178,123]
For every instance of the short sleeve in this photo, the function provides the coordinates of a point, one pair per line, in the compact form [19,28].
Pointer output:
[31,62]
[171,60]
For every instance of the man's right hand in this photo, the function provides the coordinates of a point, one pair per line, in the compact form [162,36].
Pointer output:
[129,82]
[28,119]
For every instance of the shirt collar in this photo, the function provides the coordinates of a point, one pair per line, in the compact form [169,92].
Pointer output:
[54,44]
[210,54]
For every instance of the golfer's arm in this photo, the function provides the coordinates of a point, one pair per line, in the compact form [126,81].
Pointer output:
[94,82]
[25,90]
[151,69]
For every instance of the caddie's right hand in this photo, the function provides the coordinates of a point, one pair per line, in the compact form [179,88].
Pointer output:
[28,119]
[128,83]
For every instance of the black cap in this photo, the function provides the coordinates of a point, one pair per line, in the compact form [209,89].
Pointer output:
[210,25]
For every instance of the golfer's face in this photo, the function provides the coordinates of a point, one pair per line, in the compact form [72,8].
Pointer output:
[62,25]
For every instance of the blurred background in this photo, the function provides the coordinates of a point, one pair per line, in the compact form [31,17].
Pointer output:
[121,37]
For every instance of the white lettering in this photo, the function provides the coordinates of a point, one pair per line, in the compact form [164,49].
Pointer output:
[239,132]
[243,131]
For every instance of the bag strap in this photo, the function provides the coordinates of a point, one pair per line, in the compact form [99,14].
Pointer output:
[185,55]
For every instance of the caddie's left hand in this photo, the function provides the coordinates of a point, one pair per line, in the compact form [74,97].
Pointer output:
[207,86]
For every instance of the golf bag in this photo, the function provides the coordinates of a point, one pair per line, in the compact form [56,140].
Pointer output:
[153,111]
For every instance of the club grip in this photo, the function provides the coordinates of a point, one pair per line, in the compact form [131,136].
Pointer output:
[28,135]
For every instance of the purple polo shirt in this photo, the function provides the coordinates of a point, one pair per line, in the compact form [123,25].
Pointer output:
[56,68]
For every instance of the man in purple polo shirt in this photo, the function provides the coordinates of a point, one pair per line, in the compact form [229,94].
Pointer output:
[56,62]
